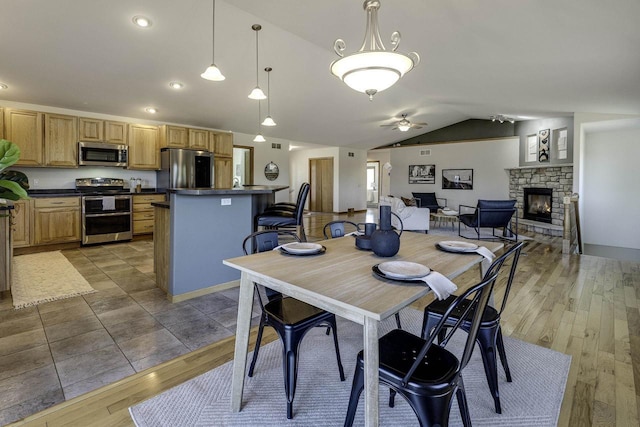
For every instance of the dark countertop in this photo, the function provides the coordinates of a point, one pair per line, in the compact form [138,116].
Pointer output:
[72,192]
[164,205]
[250,189]
[6,207]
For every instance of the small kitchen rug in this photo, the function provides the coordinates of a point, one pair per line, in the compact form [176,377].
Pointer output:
[44,277]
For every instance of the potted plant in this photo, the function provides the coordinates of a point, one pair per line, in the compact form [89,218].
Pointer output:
[13,184]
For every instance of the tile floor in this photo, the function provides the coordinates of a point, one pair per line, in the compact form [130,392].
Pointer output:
[58,350]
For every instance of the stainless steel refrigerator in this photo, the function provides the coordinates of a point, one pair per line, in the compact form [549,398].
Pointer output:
[184,168]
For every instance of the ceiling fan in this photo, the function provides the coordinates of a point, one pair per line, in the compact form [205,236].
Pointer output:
[404,124]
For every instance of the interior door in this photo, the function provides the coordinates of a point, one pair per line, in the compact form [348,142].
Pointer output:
[373,184]
[321,184]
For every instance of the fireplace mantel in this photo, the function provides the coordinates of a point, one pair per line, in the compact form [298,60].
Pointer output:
[541,166]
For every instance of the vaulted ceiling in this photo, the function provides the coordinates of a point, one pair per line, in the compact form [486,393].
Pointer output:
[524,59]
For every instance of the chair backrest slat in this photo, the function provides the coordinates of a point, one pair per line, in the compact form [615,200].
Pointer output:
[514,254]
[337,228]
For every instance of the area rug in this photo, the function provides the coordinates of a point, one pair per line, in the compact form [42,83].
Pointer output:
[44,277]
[532,399]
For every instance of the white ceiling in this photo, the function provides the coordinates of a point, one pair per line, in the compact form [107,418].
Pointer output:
[525,58]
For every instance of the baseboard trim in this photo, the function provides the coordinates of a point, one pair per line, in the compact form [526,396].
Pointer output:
[203,291]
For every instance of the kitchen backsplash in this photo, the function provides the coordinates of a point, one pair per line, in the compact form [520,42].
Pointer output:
[59,178]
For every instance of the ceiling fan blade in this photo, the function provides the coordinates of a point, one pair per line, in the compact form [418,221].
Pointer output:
[421,123]
[392,124]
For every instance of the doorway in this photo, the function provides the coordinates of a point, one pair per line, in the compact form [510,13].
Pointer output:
[242,166]
[373,184]
[321,184]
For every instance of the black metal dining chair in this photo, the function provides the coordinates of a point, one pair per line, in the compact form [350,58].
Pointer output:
[288,206]
[291,318]
[284,218]
[490,335]
[425,373]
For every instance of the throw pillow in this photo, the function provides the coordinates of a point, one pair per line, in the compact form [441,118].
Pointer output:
[408,202]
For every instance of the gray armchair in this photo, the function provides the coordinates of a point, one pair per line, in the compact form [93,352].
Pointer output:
[490,213]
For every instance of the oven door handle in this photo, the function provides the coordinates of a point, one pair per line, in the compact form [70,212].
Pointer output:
[102,197]
[106,214]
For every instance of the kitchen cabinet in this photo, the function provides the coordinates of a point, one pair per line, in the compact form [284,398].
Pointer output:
[199,139]
[21,223]
[115,132]
[98,130]
[56,220]
[221,143]
[1,123]
[6,251]
[173,136]
[223,172]
[90,129]
[60,140]
[143,212]
[25,129]
[144,148]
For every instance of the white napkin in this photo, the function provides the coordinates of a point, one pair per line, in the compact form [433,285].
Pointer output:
[355,233]
[439,284]
[488,257]
[108,203]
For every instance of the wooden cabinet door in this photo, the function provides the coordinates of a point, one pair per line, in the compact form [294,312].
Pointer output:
[60,140]
[144,152]
[2,123]
[56,224]
[90,129]
[199,139]
[24,128]
[223,172]
[20,223]
[173,136]
[115,132]
[222,144]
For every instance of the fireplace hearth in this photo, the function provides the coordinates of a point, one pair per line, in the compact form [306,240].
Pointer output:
[538,203]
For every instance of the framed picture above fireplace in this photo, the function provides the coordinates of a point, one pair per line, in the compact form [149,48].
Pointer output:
[457,179]
[543,145]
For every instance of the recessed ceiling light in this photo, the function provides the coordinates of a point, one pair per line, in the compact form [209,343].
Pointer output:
[3,86]
[142,21]
[151,110]
[176,85]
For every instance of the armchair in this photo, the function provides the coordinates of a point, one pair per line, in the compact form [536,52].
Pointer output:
[490,213]
[413,218]
[429,200]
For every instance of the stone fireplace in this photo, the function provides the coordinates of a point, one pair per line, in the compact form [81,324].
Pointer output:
[538,204]
[555,180]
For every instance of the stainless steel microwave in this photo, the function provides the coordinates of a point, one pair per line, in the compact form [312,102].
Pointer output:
[102,154]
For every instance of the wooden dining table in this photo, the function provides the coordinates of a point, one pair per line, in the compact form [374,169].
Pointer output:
[341,281]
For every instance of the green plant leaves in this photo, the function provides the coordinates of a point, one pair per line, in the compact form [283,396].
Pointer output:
[13,184]
[9,154]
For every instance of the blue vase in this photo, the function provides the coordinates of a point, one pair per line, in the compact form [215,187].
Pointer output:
[385,242]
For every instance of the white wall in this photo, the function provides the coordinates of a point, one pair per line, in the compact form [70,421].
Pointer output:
[610,203]
[487,158]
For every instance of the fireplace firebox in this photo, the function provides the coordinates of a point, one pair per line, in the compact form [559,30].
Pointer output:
[538,203]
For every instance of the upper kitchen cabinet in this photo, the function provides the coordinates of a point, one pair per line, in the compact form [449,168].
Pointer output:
[24,128]
[144,147]
[199,139]
[98,130]
[221,143]
[115,132]
[91,129]
[60,140]
[1,123]
[173,136]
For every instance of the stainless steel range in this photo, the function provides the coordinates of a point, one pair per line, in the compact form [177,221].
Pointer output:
[106,210]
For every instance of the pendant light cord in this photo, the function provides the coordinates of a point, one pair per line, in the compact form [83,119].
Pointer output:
[257,57]
[213,33]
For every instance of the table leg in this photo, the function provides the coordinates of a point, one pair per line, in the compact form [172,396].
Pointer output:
[245,304]
[371,366]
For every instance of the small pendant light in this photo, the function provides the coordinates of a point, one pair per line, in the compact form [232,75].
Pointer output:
[268,121]
[212,72]
[257,93]
[259,137]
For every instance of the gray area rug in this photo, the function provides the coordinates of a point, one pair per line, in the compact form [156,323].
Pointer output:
[532,399]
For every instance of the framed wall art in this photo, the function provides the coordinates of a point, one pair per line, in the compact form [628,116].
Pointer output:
[422,174]
[543,145]
[457,179]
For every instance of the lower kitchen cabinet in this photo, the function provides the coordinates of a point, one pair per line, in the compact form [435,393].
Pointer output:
[5,251]
[143,212]
[21,223]
[56,220]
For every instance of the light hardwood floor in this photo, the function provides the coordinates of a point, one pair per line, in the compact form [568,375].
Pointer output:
[580,305]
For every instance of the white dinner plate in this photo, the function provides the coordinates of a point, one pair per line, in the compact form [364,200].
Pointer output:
[302,248]
[403,269]
[456,246]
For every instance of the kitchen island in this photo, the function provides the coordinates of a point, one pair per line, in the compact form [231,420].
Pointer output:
[199,227]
